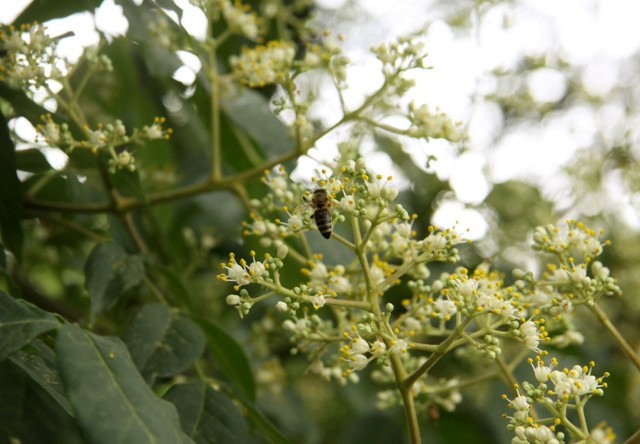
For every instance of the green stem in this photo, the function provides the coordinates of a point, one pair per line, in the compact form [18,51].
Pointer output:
[216,167]
[127,203]
[435,356]
[407,399]
[634,439]
[582,419]
[506,373]
[615,334]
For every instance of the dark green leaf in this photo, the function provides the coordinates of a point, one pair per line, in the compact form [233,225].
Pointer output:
[10,193]
[110,271]
[22,104]
[112,402]
[230,358]
[175,286]
[32,160]
[43,10]
[250,111]
[28,414]
[162,342]
[126,182]
[208,415]
[267,428]
[41,367]
[21,323]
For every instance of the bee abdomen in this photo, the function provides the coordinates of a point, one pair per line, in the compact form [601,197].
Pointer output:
[323,222]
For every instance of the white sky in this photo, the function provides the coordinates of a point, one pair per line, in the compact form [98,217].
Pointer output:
[595,33]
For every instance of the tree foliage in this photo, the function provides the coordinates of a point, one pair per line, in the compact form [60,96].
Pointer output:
[114,329]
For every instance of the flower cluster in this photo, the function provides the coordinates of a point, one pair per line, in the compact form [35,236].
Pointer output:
[573,279]
[363,213]
[327,54]
[30,58]
[241,19]
[111,137]
[380,250]
[264,64]
[427,124]
[557,391]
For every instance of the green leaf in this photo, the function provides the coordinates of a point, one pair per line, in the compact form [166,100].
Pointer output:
[20,323]
[28,414]
[32,161]
[250,111]
[110,271]
[207,415]
[10,193]
[267,428]
[22,104]
[112,402]
[43,10]
[175,286]
[230,358]
[162,342]
[126,182]
[41,367]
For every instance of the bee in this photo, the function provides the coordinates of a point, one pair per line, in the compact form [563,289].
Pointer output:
[320,202]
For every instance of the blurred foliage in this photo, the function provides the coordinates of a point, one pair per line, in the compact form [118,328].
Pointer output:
[74,258]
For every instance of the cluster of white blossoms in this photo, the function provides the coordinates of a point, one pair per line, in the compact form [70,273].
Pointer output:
[112,137]
[557,391]
[264,64]
[363,213]
[382,250]
[31,61]
[427,124]
[30,56]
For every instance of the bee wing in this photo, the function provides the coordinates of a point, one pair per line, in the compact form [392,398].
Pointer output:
[301,208]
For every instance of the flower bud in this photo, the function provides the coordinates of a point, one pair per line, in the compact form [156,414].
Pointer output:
[233,299]
[282,251]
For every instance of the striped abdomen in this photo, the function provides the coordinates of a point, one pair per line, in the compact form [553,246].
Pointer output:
[323,221]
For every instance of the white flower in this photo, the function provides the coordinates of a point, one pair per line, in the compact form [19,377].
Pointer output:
[400,346]
[541,372]
[295,223]
[237,274]
[531,337]
[245,23]
[528,328]
[389,193]
[377,274]
[257,269]
[154,131]
[340,284]
[358,362]
[445,308]
[579,275]
[374,189]
[282,250]
[97,138]
[317,301]
[360,346]
[378,348]
[436,241]
[233,299]
[300,326]
[319,274]
[520,403]
[467,287]
[52,133]
[404,230]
